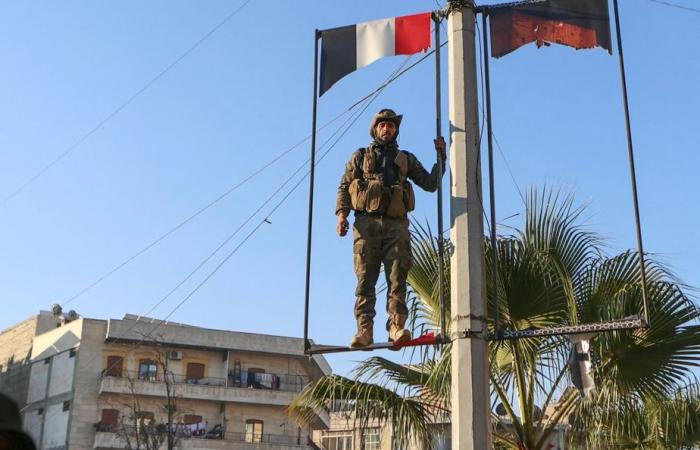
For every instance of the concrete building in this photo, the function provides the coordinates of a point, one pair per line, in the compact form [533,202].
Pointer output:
[345,434]
[93,382]
[16,350]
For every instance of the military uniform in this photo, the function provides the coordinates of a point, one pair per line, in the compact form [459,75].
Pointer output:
[376,186]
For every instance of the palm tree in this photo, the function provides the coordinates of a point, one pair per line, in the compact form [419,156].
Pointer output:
[552,272]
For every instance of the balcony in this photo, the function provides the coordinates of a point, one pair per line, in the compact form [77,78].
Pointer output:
[256,391]
[235,441]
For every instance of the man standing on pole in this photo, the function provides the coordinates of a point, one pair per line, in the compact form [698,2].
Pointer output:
[375,185]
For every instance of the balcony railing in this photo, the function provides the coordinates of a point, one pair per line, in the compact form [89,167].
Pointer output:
[269,381]
[263,438]
[214,432]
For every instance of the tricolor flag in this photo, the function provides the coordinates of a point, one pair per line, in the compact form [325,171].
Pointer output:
[346,49]
[576,23]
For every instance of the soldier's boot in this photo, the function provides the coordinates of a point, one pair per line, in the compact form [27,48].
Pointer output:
[397,333]
[365,333]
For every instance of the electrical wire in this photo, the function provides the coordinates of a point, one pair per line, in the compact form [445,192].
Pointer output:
[121,107]
[675,5]
[241,226]
[172,230]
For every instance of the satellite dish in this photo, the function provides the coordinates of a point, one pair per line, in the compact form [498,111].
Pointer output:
[501,410]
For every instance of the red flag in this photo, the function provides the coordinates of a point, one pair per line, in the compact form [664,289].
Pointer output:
[576,23]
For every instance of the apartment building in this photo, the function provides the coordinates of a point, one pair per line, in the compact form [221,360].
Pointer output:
[92,383]
[343,433]
[16,351]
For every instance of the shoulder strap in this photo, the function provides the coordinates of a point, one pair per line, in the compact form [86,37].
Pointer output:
[401,162]
[368,162]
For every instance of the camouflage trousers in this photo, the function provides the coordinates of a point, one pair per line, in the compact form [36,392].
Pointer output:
[381,240]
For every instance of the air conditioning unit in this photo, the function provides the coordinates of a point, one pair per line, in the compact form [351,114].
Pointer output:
[174,355]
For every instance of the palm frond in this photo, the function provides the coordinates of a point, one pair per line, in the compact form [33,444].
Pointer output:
[367,403]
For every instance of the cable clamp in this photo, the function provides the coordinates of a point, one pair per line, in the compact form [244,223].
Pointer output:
[468,334]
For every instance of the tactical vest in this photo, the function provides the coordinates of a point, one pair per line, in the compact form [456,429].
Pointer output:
[368,194]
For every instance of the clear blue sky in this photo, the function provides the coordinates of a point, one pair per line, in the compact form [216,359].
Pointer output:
[242,97]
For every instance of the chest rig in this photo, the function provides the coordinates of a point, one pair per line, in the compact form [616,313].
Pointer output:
[369,193]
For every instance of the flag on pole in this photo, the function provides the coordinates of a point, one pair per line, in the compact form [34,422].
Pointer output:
[346,49]
[576,23]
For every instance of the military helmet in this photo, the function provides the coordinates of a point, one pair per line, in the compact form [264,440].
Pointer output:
[382,116]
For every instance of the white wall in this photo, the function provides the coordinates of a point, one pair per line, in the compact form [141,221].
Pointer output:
[55,426]
[32,424]
[37,381]
[62,370]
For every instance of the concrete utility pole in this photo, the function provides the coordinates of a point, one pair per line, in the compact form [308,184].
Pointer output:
[471,417]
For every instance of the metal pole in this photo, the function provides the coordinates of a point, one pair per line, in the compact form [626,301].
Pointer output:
[307,344]
[492,183]
[633,174]
[470,406]
[438,133]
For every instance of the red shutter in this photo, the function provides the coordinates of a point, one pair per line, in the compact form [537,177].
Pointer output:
[190,419]
[195,371]
[114,366]
[110,420]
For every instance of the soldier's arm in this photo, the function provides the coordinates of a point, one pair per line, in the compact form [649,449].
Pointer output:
[420,176]
[353,170]
[426,180]
[342,203]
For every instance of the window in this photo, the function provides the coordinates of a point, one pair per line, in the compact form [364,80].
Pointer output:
[195,371]
[40,411]
[109,421]
[144,419]
[253,430]
[47,360]
[72,353]
[191,419]
[66,406]
[115,366]
[370,439]
[147,370]
[338,440]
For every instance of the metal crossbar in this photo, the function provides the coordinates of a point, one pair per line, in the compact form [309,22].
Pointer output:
[628,323]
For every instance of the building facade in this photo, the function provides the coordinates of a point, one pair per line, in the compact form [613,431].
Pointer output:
[345,434]
[16,351]
[94,383]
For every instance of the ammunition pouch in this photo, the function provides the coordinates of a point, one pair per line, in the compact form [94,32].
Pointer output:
[368,194]
[402,200]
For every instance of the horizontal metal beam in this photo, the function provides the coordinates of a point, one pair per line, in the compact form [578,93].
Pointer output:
[628,323]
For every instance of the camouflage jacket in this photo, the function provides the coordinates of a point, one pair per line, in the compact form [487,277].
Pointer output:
[353,170]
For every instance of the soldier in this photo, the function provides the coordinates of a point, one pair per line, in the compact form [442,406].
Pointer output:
[375,185]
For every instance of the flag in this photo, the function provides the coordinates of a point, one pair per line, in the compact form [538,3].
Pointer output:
[346,49]
[576,23]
